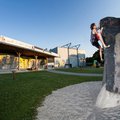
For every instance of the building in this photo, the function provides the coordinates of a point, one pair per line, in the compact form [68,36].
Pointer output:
[69,57]
[15,54]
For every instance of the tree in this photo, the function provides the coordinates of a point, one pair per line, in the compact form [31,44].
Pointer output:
[90,60]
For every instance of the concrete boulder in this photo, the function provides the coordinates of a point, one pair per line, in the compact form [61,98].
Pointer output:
[109,95]
[111,35]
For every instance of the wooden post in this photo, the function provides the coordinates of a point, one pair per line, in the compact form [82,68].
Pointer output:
[19,54]
[46,63]
[14,74]
[36,67]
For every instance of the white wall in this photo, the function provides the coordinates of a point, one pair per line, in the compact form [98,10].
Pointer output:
[63,57]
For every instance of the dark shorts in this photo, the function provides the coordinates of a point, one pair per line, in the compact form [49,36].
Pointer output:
[96,44]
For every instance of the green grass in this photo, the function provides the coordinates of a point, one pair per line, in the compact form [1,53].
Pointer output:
[83,70]
[19,98]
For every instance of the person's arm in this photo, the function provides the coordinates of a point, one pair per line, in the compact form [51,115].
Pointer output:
[101,30]
[98,28]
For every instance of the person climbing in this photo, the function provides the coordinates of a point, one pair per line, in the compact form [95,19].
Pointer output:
[95,37]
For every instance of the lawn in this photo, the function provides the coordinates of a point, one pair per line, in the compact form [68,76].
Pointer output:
[19,98]
[83,70]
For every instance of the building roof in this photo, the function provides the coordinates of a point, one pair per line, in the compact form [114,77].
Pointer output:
[56,49]
[12,46]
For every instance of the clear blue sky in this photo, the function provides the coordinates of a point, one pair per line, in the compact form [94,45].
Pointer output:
[51,23]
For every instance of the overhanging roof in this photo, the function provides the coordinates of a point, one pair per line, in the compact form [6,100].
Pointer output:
[12,46]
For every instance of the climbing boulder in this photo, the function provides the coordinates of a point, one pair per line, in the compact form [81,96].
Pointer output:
[111,35]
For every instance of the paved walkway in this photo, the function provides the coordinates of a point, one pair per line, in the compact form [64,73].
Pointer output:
[54,71]
[10,71]
[76,74]
[18,71]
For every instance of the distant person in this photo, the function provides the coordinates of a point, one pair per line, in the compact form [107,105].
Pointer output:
[95,37]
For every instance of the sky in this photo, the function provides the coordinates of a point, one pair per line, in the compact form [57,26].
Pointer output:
[52,23]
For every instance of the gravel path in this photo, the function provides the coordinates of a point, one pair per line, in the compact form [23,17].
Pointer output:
[76,102]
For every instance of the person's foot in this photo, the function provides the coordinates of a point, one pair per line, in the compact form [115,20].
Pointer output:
[107,46]
[102,60]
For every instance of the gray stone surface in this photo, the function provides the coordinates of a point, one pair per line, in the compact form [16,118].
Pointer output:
[111,35]
[76,102]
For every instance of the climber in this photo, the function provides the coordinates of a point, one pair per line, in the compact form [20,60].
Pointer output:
[95,37]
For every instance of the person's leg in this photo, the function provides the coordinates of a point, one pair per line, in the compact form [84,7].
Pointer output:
[97,45]
[99,36]
[101,39]
[100,53]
